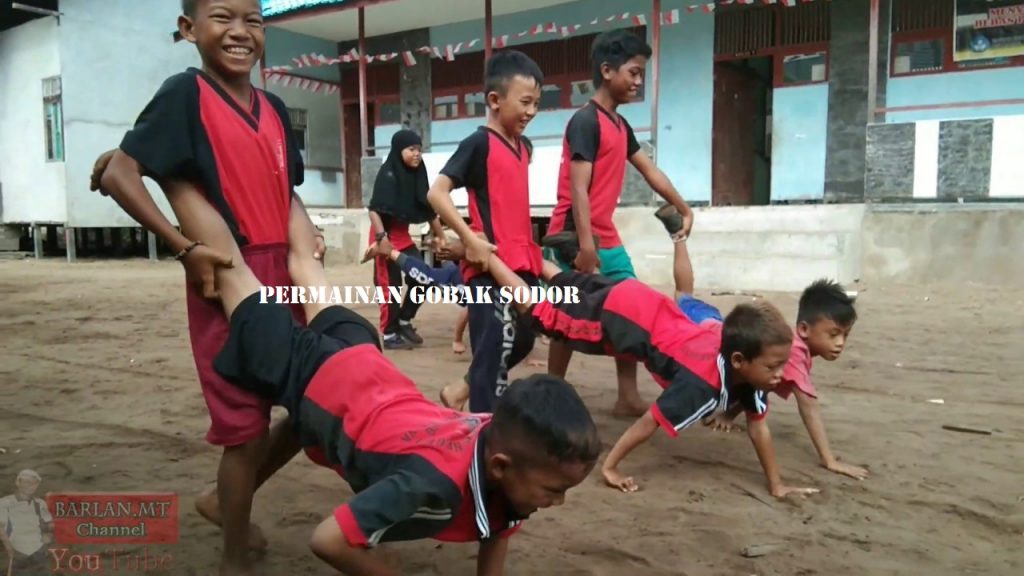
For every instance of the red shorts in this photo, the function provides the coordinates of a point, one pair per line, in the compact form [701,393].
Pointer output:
[236,416]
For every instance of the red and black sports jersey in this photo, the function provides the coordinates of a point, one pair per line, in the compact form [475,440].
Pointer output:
[628,319]
[606,140]
[417,468]
[496,176]
[243,158]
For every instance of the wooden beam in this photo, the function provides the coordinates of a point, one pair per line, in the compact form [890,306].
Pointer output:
[873,62]
[364,121]
[655,70]
[488,32]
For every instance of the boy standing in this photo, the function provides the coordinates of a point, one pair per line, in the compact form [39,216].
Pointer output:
[418,470]
[598,143]
[493,165]
[211,127]
[825,317]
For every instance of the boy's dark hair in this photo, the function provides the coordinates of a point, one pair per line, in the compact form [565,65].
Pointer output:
[826,299]
[544,416]
[506,65]
[188,7]
[615,48]
[750,328]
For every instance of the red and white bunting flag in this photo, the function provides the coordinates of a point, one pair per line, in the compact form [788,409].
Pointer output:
[472,43]
[286,81]
[771,1]
[614,18]
[746,1]
[458,47]
[304,84]
[670,17]
[449,53]
[272,78]
[315,87]
[307,60]
[499,41]
[789,3]
[354,54]
[536,29]
[437,52]
[709,8]
[408,58]
[332,89]
[551,27]
[370,58]
[595,21]
[565,32]
[298,63]
[424,50]
[640,20]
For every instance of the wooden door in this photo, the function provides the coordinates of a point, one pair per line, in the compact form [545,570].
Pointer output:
[732,148]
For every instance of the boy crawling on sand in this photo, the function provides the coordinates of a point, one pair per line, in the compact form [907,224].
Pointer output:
[699,366]
[418,470]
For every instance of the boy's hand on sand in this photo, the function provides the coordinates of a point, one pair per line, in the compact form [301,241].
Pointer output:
[847,470]
[618,481]
[720,423]
[98,168]
[784,491]
[478,252]
[201,269]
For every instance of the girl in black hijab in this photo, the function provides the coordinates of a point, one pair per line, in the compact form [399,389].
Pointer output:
[399,199]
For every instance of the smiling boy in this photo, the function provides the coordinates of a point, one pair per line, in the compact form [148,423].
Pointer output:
[212,128]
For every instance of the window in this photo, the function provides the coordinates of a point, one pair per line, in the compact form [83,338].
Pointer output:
[389,112]
[804,68]
[918,56]
[551,97]
[476,105]
[446,107]
[53,119]
[300,131]
[582,92]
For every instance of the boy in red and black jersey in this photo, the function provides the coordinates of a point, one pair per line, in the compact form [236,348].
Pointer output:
[419,470]
[493,165]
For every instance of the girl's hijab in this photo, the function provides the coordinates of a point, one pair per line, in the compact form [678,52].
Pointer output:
[401,191]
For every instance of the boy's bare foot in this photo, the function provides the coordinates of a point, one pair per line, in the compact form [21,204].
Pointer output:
[458,347]
[209,508]
[629,409]
[847,470]
[618,481]
[455,395]
[720,423]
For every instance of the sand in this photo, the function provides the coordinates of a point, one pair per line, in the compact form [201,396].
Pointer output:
[99,394]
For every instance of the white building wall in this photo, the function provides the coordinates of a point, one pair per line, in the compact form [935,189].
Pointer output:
[32,188]
[112,62]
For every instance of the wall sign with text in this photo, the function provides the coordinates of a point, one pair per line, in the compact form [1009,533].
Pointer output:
[986,29]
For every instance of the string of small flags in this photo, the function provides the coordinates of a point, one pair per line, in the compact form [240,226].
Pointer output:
[281,74]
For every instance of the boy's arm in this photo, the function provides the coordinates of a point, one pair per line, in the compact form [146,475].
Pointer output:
[329,545]
[321,246]
[810,413]
[122,180]
[491,561]
[761,436]
[439,196]
[640,432]
[580,174]
[421,271]
[661,185]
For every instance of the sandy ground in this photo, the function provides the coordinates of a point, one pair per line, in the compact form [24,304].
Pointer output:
[99,394]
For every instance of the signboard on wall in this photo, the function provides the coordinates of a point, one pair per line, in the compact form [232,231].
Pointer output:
[278,7]
[985,29]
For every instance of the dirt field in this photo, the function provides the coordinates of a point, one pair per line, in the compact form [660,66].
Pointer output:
[99,394]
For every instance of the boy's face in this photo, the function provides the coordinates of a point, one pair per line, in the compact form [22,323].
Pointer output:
[228,33]
[624,84]
[765,371]
[538,483]
[824,337]
[518,106]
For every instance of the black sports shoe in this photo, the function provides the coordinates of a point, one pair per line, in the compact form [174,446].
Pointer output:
[407,332]
[396,342]
[566,245]
[671,218]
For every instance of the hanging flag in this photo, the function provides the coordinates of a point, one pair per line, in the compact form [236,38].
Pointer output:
[499,41]
[640,20]
[408,58]
[670,17]
[552,27]
[449,53]
[536,29]
[473,42]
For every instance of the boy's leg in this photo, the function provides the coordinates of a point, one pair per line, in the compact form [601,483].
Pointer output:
[460,330]
[682,269]
[386,274]
[407,313]
[236,475]
[617,265]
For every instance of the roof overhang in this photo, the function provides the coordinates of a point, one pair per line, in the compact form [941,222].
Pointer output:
[338,20]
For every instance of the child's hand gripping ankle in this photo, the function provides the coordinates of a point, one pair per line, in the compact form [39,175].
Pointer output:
[201,263]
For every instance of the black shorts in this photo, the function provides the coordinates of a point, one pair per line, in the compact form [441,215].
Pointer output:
[268,353]
[577,324]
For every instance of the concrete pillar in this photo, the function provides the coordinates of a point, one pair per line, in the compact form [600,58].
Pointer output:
[152,245]
[37,240]
[417,100]
[70,245]
[848,95]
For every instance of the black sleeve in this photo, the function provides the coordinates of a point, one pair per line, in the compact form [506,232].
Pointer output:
[296,168]
[584,134]
[466,166]
[632,146]
[685,402]
[163,138]
[753,401]
[529,147]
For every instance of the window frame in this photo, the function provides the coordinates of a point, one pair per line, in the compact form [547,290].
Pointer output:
[949,65]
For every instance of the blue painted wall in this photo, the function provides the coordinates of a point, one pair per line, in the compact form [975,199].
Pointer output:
[684,131]
[799,130]
[283,45]
[953,87]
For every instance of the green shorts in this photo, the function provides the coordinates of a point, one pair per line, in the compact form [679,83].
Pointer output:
[615,262]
